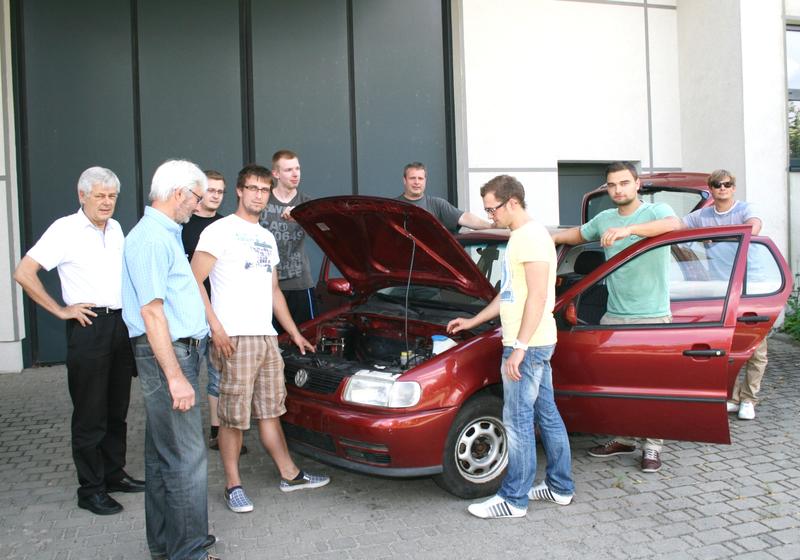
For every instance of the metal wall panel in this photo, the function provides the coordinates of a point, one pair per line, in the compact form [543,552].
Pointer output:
[301,90]
[129,83]
[399,93]
[190,87]
[78,113]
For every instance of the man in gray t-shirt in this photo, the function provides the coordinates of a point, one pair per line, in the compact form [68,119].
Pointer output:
[414,181]
[294,270]
[728,211]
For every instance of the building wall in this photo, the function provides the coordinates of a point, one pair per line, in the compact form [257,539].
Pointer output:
[549,81]
[673,85]
[11,326]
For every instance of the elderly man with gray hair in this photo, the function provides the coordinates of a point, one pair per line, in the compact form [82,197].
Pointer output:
[86,247]
[162,307]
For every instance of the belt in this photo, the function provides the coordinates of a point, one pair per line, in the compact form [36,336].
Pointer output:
[188,341]
[105,310]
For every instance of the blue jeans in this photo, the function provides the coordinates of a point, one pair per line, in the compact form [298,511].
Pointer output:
[528,401]
[176,470]
[212,388]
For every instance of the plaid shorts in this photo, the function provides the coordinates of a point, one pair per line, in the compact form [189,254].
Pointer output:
[251,383]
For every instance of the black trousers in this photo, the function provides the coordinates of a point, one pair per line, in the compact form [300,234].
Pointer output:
[100,365]
[301,307]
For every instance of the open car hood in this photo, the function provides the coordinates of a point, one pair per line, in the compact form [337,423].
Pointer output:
[374,242]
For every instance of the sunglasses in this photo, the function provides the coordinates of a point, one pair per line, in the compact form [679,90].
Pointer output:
[726,184]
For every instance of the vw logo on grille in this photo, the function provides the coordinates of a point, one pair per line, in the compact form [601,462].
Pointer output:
[301,377]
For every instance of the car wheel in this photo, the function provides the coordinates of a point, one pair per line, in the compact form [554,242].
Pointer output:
[476,450]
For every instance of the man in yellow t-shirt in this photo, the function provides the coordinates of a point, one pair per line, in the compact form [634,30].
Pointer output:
[525,306]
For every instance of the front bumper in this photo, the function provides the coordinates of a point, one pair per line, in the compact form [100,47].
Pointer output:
[391,442]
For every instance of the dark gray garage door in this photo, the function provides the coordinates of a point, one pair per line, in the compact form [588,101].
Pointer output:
[358,88]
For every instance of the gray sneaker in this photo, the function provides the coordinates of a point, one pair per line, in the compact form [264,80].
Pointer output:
[303,480]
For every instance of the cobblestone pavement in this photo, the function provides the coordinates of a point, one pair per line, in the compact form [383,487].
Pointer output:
[709,501]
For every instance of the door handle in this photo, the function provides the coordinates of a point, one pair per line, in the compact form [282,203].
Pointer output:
[752,319]
[710,353]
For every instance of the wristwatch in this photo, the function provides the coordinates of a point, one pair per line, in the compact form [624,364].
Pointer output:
[519,346]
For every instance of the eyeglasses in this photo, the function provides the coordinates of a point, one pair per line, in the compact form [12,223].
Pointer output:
[220,192]
[255,189]
[726,184]
[197,196]
[491,211]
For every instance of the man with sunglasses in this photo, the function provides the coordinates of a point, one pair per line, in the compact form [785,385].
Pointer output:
[727,211]
[414,182]
[638,292]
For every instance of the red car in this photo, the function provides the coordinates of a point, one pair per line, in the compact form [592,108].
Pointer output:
[376,398]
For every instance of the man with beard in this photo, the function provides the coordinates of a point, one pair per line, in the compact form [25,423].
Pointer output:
[638,293]
[241,257]
[162,307]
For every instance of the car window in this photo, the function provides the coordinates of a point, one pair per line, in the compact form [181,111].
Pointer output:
[681,201]
[764,274]
[698,281]
[488,257]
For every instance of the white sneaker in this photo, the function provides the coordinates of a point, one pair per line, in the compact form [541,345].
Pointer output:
[543,493]
[733,406]
[495,508]
[747,411]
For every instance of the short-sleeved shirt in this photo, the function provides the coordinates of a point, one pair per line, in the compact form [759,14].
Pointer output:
[241,279]
[89,259]
[155,267]
[294,270]
[739,213]
[529,243]
[445,212]
[640,288]
[191,233]
[722,255]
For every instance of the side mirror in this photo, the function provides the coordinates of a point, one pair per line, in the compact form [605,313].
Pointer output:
[339,287]
[571,313]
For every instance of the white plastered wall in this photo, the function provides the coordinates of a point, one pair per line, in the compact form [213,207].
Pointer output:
[674,85]
[540,82]
[11,324]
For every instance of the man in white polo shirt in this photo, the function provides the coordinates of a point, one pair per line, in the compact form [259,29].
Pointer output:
[87,249]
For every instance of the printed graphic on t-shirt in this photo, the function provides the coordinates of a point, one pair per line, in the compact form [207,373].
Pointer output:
[289,237]
[506,288]
[261,252]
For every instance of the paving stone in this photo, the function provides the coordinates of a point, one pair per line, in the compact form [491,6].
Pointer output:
[709,501]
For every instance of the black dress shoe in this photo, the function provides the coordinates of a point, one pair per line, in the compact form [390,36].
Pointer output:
[100,503]
[125,484]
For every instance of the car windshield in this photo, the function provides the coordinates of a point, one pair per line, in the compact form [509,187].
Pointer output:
[486,255]
[682,201]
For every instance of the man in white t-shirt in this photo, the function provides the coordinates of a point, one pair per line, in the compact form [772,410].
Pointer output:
[727,211]
[86,247]
[240,256]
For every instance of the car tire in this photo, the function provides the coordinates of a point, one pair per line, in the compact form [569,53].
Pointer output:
[476,449]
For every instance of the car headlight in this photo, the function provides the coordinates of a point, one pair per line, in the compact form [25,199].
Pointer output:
[379,389]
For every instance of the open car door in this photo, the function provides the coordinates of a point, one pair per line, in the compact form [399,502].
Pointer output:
[666,381]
